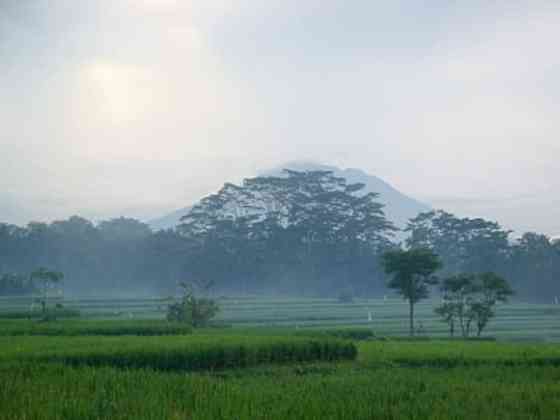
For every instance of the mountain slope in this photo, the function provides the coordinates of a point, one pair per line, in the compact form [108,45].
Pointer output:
[398,207]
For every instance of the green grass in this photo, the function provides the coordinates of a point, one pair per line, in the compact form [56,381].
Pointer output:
[446,354]
[343,393]
[122,361]
[389,380]
[192,353]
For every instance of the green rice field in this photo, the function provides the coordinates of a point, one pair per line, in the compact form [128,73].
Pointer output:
[276,359]
[514,321]
[63,378]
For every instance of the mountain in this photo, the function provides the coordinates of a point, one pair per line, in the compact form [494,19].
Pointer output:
[398,206]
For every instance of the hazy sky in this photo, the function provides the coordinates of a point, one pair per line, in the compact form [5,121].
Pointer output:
[136,107]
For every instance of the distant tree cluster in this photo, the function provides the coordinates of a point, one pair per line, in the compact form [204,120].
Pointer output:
[120,254]
[305,232]
[531,263]
[40,284]
[469,301]
[302,233]
[16,284]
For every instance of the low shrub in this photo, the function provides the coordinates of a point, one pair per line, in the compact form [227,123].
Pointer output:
[346,296]
[192,310]
[344,333]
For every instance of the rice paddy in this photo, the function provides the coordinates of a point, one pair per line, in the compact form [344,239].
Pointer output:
[281,366]
[385,317]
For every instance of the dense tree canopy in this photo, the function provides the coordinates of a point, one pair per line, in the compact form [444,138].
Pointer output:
[531,263]
[304,232]
[464,244]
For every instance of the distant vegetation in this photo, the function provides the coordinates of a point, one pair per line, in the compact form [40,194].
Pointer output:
[469,301]
[306,233]
[190,309]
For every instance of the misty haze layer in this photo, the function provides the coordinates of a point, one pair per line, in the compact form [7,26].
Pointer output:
[141,107]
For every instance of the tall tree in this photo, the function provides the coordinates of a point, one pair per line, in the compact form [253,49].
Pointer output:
[493,289]
[457,293]
[47,280]
[412,273]
[535,267]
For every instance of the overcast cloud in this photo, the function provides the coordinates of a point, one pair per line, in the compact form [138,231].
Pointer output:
[139,107]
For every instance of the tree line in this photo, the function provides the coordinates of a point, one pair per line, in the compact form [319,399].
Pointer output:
[305,233]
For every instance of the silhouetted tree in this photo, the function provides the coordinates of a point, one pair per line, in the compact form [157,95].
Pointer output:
[47,280]
[412,273]
[471,299]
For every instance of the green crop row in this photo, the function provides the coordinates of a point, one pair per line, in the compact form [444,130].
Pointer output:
[79,328]
[314,392]
[179,353]
[344,333]
[67,378]
[454,353]
[37,314]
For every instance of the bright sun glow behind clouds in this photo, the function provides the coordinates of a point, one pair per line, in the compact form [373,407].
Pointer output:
[459,99]
[122,93]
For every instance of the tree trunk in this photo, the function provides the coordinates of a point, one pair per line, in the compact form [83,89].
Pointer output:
[464,328]
[411,314]
[45,297]
[452,328]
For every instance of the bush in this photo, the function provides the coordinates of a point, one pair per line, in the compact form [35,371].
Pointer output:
[192,310]
[345,333]
[346,296]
